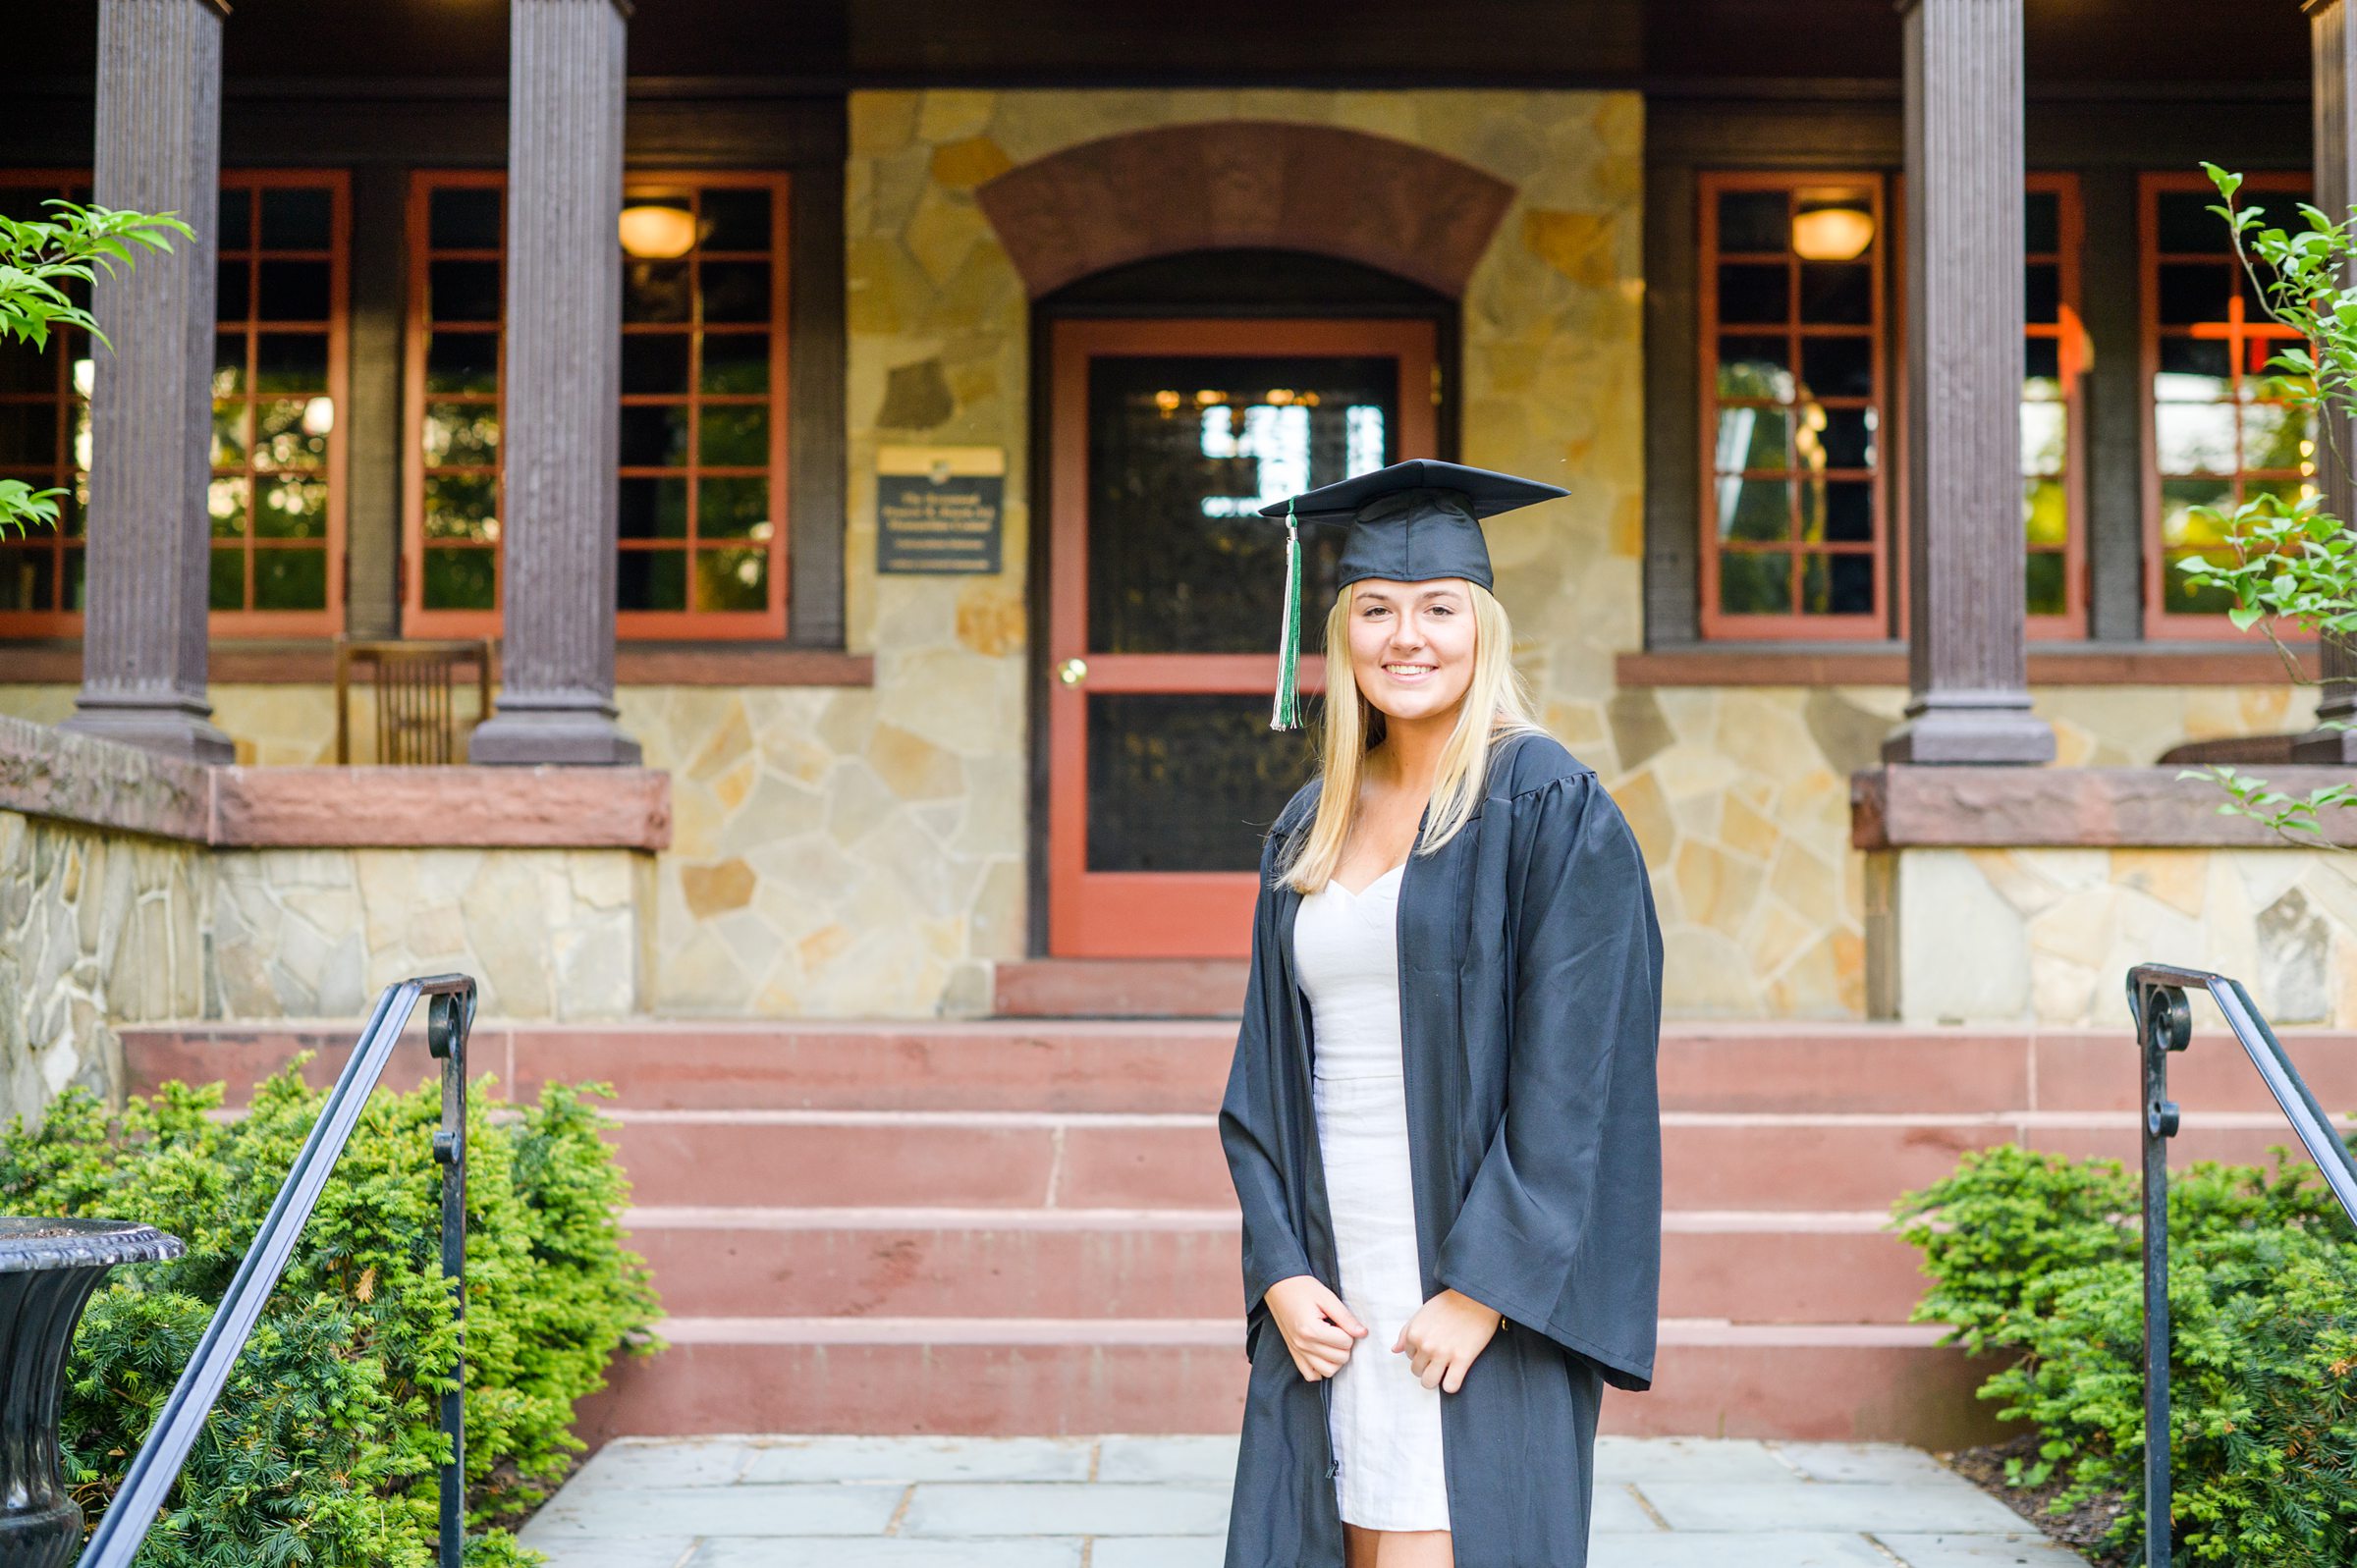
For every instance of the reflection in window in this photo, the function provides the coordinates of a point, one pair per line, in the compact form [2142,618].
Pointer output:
[2053,358]
[1275,436]
[456,403]
[45,442]
[1794,296]
[1183,452]
[702,477]
[275,373]
[274,451]
[2224,428]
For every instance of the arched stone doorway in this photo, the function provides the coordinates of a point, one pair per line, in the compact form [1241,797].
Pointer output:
[1222,313]
[1242,185]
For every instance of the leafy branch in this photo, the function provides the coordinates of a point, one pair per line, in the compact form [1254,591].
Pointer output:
[2285,559]
[43,263]
[2289,816]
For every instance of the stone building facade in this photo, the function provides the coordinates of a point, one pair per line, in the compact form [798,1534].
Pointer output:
[864,837]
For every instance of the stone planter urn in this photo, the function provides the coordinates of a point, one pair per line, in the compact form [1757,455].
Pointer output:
[48,1269]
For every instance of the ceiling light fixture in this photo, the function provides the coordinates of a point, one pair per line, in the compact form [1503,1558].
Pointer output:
[1833,234]
[653,231]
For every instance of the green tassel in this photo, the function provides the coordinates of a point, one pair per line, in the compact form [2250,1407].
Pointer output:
[1287,712]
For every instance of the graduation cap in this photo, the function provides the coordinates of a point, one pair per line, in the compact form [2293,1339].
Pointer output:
[1409,522]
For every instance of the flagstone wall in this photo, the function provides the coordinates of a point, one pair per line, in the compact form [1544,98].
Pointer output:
[96,930]
[2024,895]
[865,851]
[1740,797]
[141,887]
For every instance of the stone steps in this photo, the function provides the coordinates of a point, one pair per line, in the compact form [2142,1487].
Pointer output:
[1025,1224]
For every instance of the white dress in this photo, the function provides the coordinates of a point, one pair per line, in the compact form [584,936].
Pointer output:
[1386,1424]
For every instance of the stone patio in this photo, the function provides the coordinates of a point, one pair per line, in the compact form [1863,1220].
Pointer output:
[1162,1503]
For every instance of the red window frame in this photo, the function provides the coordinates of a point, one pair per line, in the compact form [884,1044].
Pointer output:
[691,473]
[2250,338]
[2068,334]
[1879,549]
[60,547]
[250,404]
[64,545]
[417,475]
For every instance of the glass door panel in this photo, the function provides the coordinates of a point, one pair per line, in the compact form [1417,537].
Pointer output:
[1184,453]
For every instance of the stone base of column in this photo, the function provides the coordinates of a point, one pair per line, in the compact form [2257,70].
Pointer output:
[528,736]
[1971,727]
[175,726]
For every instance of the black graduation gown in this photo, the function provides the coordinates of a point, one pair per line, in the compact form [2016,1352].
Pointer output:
[1530,969]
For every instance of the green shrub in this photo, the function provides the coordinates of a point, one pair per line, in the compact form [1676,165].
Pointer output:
[322,1449]
[2038,1255]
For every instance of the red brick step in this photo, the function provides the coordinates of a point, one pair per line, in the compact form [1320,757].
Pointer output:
[1018,1159]
[912,1263]
[992,1375]
[1166,1065]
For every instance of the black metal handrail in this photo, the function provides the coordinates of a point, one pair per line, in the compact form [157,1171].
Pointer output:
[156,1466]
[2164,1023]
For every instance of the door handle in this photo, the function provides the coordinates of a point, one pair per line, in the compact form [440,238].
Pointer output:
[1073,672]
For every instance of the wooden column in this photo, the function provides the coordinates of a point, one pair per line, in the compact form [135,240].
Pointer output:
[158,150]
[1966,660]
[2333,54]
[564,357]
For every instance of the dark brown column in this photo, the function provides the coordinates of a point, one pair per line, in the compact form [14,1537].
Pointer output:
[1965,657]
[158,150]
[2333,55]
[561,435]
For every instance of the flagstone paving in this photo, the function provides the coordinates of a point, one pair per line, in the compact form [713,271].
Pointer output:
[1162,1503]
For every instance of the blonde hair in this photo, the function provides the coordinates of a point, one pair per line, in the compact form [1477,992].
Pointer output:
[1497,704]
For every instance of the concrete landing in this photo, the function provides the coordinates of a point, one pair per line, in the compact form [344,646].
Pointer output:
[1162,1503]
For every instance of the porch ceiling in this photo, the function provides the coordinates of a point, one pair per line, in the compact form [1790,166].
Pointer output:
[832,44]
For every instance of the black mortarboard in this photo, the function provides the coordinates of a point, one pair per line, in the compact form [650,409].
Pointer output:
[1409,522]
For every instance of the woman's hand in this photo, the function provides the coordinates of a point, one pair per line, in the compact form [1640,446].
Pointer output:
[1444,1337]
[1317,1328]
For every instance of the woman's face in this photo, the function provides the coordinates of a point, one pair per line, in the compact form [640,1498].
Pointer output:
[1411,644]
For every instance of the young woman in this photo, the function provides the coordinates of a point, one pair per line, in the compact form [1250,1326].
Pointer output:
[1440,1120]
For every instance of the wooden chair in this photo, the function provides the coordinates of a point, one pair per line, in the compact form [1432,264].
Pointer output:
[417,723]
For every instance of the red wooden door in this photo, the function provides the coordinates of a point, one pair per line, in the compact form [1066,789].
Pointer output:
[1165,595]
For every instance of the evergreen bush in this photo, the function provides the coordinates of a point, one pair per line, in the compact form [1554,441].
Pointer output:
[2038,1255]
[323,1449]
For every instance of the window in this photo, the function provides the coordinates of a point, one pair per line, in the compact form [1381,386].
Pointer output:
[44,441]
[702,483]
[276,490]
[2051,427]
[703,418]
[1794,406]
[2221,428]
[277,493]
[450,558]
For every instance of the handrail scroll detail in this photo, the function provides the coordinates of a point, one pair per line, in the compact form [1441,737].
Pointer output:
[154,1470]
[2164,1023]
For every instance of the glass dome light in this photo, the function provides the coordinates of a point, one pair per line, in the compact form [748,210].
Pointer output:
[1832,234]
[654,231]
